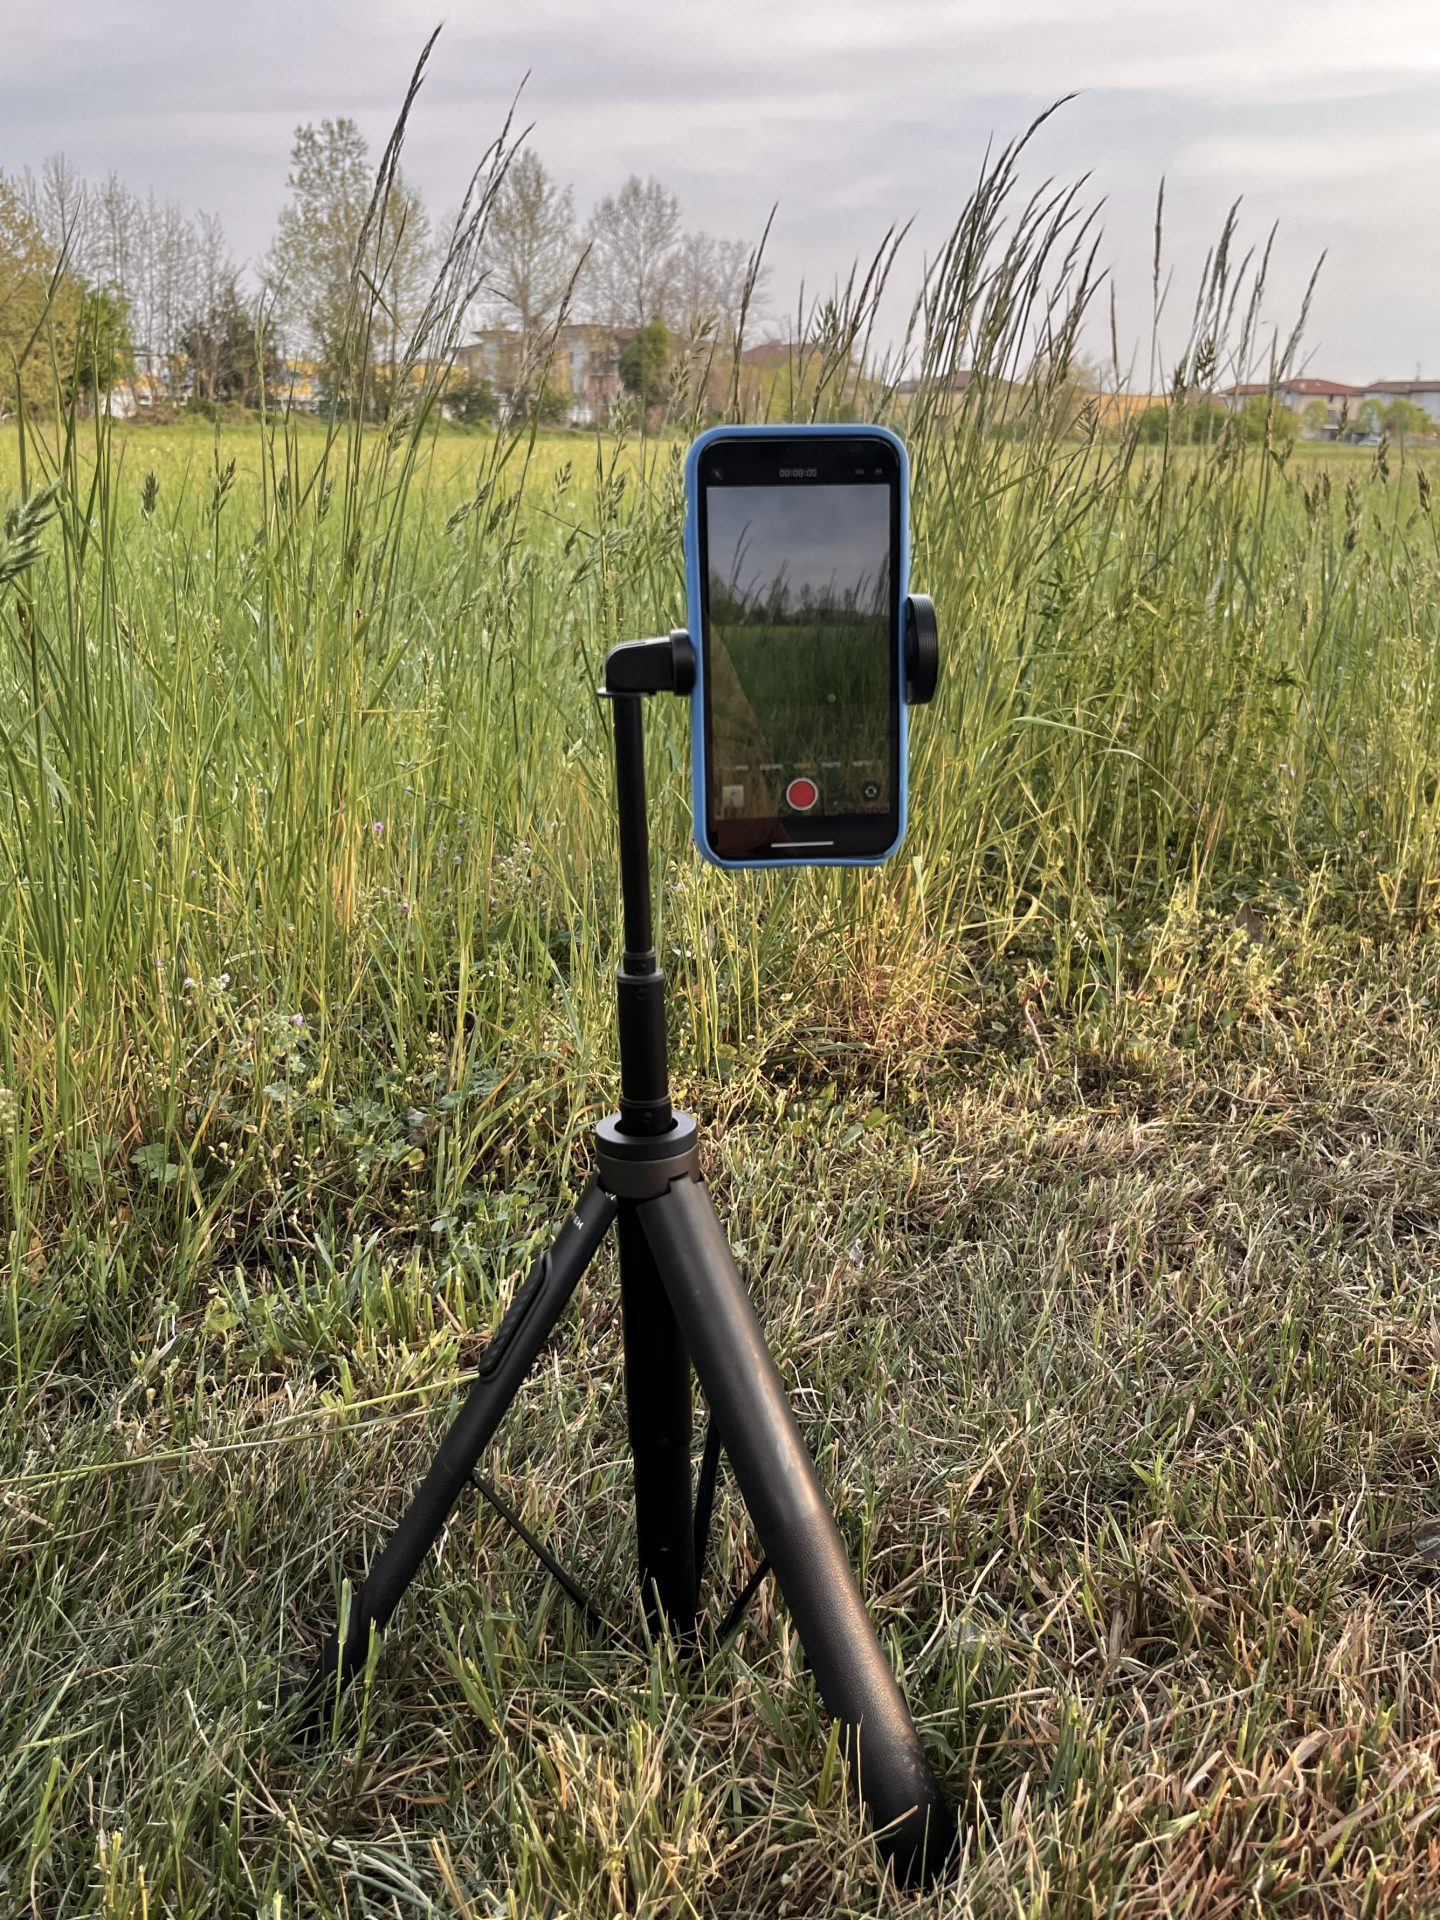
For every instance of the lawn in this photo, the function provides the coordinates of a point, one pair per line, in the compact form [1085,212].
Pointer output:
[1081,1162]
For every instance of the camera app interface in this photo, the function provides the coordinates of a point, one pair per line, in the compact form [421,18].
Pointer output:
[799,654]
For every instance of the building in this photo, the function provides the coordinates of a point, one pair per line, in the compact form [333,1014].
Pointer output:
[294,386]
[585,364]
[1341,402]
[1424,394]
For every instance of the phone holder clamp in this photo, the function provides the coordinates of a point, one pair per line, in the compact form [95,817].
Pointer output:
[666,664]
[922,649]
[662,665]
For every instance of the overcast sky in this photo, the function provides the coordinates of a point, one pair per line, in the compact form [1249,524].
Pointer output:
[825,541]
[850,113]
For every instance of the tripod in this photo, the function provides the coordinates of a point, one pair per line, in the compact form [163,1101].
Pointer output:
[682,1302]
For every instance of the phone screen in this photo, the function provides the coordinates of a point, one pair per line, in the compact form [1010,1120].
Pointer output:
[799,551]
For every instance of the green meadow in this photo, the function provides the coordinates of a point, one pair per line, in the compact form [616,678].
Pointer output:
[1081,1162]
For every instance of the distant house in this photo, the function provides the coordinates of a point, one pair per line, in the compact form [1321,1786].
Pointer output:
[162,379]
[295,386]
[120,402]
[592,359]
[1341,402]
[586,355]
[1424,394]
[153,384]
[771,353]
[957,384]
[1116,410]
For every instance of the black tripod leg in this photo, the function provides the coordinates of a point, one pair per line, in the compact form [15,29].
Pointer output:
[658,1402]
[782,1491]
[513,1349]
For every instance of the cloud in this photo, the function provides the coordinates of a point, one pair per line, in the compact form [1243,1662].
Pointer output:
[1331,152]
[852,114]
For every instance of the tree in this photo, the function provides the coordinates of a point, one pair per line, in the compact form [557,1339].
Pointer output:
[398,271]
[39,307]
[116,236]
[153,254]
[634,249]
[645,363]
[549,404]
[1403,419]
[531,250]
[1371,418]
[332,301]
[470,398]
[59,205]
[1155,423]
[1262,415]
[167,287]
[227,347]
[106,353]
[230,348]
[1186,423]
[311,264]
[708,287]
[1315,418]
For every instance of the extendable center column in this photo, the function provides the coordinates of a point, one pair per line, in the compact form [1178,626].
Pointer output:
[640,1150]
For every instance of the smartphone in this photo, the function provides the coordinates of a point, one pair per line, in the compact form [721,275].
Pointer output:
[797,564]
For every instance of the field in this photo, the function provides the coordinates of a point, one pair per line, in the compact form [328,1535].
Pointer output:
[1081,1162]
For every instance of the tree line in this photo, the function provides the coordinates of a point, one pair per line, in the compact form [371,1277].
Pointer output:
[122,285]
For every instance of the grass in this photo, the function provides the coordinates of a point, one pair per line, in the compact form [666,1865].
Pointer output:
[1081,1162]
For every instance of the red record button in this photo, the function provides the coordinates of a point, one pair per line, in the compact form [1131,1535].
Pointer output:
[802,794]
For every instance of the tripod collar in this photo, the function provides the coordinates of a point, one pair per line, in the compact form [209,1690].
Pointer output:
[639,1166]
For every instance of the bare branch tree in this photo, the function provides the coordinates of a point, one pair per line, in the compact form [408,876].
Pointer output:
[708,292]
[169,283]
[118,238]
[59,204]
[634,248]
[532,249]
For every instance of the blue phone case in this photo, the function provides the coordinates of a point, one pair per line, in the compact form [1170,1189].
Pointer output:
[692,589]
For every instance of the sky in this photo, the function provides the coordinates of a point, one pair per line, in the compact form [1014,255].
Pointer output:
[825,541]
[850,114]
